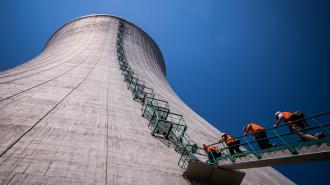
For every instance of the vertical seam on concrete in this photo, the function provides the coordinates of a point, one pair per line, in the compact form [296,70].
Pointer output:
[107,135]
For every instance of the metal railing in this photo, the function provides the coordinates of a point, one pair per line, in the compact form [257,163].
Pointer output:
[281,137]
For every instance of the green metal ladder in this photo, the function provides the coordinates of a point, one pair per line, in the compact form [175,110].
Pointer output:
[162,122]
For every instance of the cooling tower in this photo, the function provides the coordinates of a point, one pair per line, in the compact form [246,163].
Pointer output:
[68,117]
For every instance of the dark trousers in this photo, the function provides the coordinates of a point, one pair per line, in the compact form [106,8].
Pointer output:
[234,147]
[297,126]
[298,116]
[264,143]
[213,155]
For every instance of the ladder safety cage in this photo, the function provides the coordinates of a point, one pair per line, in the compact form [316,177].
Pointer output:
[120,37]
[158,123]
[132,81]
[166,123]
[120,52]
[134,84]
[141,94]
[138,91]
[150,105]
[128,70]
[120,46]
[120,27]
[120,49]
[123,64]
[121,57]
[125,67]
[179,125]
[182,142]
[188,150]
[129,75]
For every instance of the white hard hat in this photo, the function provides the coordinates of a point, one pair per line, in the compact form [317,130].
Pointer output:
[277,113]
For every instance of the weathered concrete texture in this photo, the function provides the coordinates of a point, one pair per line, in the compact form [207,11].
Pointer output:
[66,116]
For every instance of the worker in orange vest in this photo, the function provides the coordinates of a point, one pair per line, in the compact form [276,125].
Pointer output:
[212,152]
[259,134]
[232,143]
[296,123]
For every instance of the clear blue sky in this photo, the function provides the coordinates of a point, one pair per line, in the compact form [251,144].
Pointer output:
[231,61]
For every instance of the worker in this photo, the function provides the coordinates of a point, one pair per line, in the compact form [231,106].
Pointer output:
[296,123]
[259,134]
[212,152]
[232,143]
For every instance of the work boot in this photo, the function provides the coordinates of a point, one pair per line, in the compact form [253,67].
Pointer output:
[319,135]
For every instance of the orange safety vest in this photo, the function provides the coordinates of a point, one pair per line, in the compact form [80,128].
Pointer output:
[254,128]
[230,139]
[286,115]
[209,148]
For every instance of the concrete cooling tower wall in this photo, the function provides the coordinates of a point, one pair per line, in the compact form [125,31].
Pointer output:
[67,117]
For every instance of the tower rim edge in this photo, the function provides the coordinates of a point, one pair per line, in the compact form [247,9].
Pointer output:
[112,16]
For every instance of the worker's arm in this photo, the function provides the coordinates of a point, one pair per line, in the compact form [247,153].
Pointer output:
[278,122]
[247,130]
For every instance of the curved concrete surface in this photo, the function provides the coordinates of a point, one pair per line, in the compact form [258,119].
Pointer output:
[66,116]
